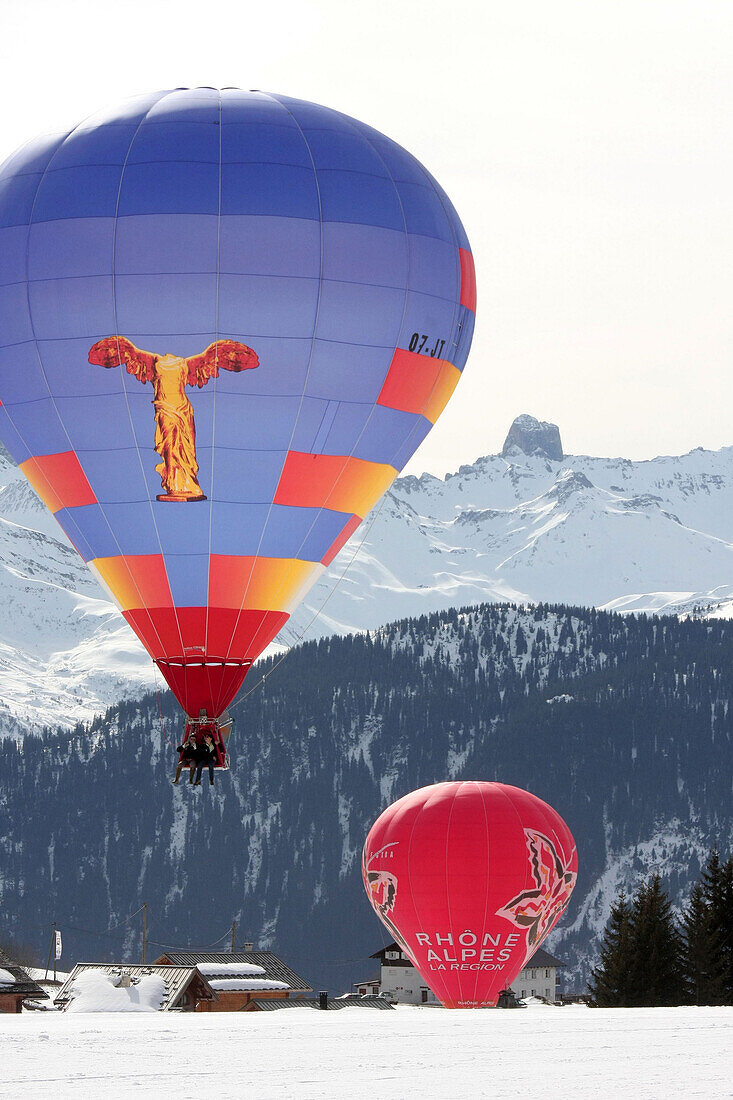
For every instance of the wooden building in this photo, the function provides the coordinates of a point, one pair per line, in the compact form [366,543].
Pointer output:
[241,977]
[16,986]
[185,989]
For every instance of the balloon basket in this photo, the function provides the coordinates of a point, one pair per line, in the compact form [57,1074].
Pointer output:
[219,729]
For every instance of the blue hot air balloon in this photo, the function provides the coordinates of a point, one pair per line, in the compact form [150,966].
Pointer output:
[237,301]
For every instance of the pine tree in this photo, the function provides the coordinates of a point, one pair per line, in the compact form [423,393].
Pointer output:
[717,890]
[610,982]
[726,928]
[656,956]
[701,956]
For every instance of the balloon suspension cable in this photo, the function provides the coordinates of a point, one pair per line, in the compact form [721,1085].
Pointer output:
[318,613]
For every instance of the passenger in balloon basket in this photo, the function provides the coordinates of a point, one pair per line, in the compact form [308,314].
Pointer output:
[188,757]
[206,757]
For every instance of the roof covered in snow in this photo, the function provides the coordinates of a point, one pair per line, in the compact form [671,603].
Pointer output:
[239,964]
[97,987]
[15,979]
[245,984]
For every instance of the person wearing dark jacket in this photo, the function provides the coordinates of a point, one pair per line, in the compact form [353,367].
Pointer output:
[206,758]
[188,757]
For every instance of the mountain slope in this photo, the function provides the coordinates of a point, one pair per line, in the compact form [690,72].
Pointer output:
[594,531]
[621,723]
[632,536]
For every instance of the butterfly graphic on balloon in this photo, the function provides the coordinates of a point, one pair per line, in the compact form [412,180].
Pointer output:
[538,908]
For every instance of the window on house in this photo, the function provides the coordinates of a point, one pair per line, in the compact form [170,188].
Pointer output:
[424,994]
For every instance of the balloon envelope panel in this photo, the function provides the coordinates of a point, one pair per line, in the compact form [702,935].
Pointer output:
[469,878]
[290,297]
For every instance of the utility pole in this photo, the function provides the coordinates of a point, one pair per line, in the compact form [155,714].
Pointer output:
[234,934]
[145,930]
[52,948]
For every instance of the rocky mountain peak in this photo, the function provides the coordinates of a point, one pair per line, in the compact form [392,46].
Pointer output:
[532,436]
[568,483]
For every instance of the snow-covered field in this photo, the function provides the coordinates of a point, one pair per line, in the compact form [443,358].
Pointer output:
[565,1052]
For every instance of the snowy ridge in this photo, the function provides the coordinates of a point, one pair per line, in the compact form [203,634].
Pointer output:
[652,537]
[630,536]
[66,653]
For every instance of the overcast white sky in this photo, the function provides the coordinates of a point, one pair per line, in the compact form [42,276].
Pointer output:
[586,145]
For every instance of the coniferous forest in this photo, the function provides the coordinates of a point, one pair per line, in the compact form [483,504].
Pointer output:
[621,723]
[649,959]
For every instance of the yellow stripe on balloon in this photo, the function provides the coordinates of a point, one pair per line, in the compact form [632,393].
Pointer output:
[138,580]
[252,583]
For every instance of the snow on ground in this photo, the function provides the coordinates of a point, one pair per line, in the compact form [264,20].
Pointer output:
[644,1054]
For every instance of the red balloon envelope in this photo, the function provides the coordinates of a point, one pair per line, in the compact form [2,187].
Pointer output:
[469,878]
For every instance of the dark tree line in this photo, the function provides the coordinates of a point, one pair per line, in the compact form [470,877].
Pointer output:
[649,959]
[637,734]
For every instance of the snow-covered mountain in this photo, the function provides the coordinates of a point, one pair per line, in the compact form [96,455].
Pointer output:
[66,653]
[528,525]
[604,532]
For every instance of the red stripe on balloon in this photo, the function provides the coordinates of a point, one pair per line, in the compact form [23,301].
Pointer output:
[338,482]
[59,480]
[418,384]
[349,527]
[204,646]
[468,280]
[209,687]
[190,633]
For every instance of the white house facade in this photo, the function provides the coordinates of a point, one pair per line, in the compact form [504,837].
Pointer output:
[400,983]
[540,978]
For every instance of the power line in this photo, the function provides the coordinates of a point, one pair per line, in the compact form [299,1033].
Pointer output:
[65,926]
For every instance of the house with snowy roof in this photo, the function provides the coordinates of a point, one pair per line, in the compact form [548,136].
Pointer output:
[119,987]
[16,986]
[240,978]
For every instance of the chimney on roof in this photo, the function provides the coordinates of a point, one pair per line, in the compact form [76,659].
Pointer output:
[323,998]
[248,946]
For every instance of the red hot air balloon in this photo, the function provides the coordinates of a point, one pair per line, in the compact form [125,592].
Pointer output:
[469,878]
